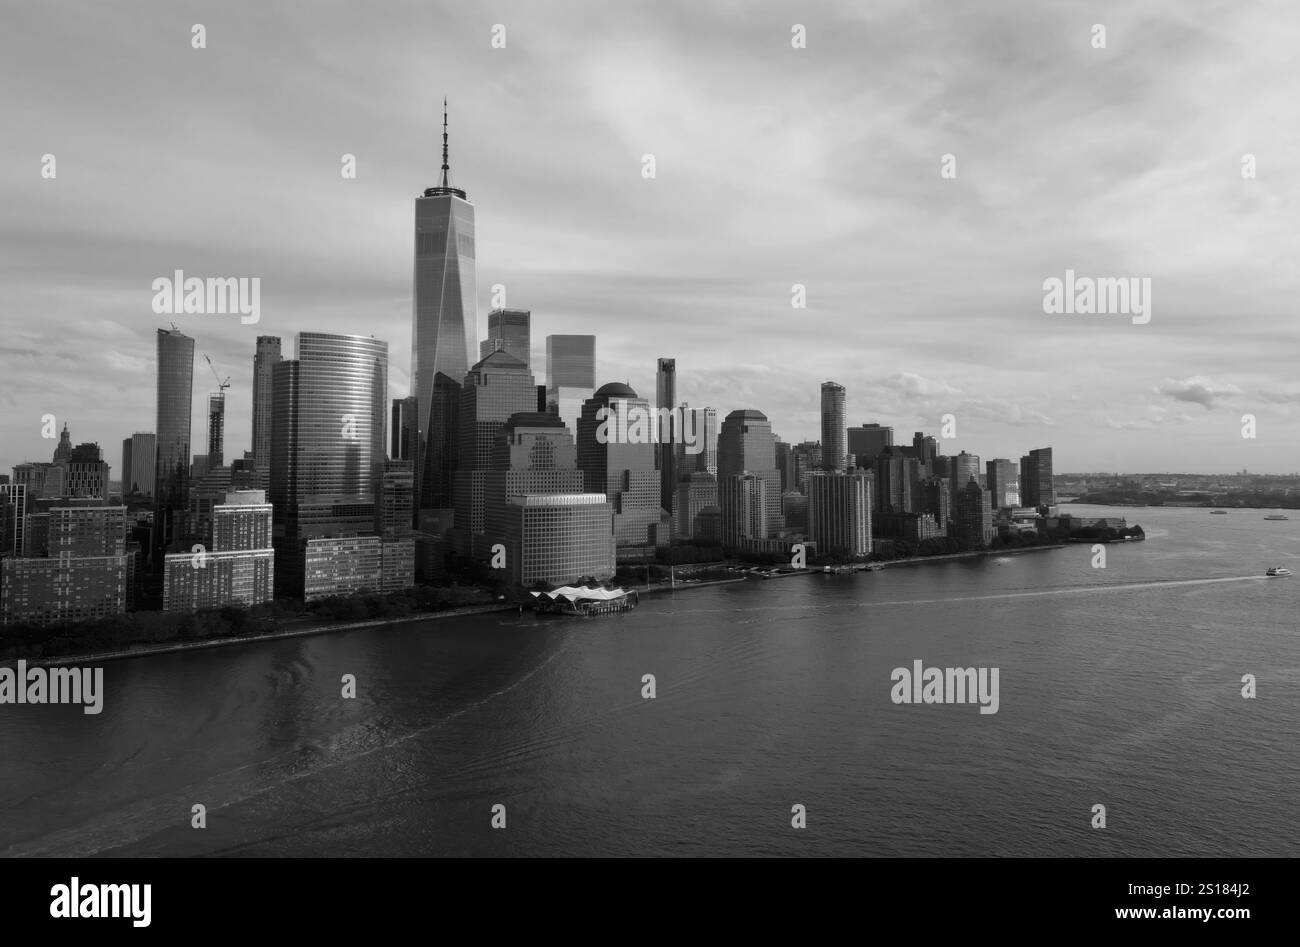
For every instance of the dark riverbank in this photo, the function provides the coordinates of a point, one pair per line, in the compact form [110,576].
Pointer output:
[315,628]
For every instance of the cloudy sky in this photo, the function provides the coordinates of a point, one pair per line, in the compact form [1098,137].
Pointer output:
[774,166]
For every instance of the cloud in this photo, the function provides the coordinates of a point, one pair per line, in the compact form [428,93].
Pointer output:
[1198,390]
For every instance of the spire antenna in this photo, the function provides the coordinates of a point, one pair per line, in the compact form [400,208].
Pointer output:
[445,168]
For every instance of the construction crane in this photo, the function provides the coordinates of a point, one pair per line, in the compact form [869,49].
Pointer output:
[222,385]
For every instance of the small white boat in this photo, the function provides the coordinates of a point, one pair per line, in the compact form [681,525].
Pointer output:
[1218,512]
[1276,516]
[1278,571]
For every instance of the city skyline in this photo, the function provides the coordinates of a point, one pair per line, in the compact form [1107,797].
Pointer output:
[938,268]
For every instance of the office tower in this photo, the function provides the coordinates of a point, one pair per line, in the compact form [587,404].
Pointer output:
[746,445]
[402,431]
[535,506]
[541,400]
[972,516]
[868,441]
[616,454]
[445,319]
[238,566]
[395,505]
[695,493]
[205,493]
[327,423]
[964,467]
[509,331]
[264,362]
[175,391]
[139,458]
[895,478]
[40,479]
[834,430]
[562,538]
[794,507]
[785,466]
[706,428]
[936,500]
[1004,482]
[665,402]
[13,518]
[435,478]
[924,449]
[1037,488]
[495,388]
[85,474]
[570,375]
[216,429]
[84,576]
[533,453]
[805,457]
[839,512]
[743,501]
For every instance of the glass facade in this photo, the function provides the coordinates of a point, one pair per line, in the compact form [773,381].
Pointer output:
[329,410]
[264,361]
[834,430]
[445,320]
[175,393]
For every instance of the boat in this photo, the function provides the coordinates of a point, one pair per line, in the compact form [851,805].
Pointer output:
[1278,571]
[1218,512]
[1277,516]
[583,601]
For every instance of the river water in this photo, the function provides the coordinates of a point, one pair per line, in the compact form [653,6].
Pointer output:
[1119,686]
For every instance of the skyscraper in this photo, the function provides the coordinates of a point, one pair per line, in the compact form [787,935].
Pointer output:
[867,442]
[666,400]
[1004,483]
[570,375]
[619,463]
[965,467]
[509,331]
[264,361]
[402,430]
[328,429]
[495,388]
[1037,488]
[746,445]
[175,397]
[743,501]
[445,320]
[139,457]
[834,432]
[839,511]
[216,429]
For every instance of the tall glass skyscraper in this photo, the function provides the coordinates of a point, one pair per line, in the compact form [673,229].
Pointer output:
[666,397]
[268,354]
[175,397]
[834,429]
[445,318]
[330,404]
